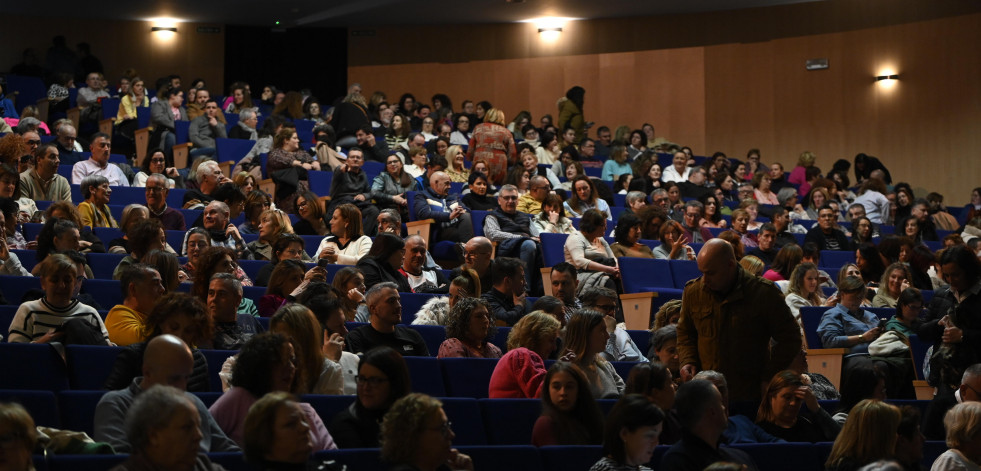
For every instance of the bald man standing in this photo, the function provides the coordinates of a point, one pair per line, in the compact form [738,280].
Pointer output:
[167,361]
[728,318]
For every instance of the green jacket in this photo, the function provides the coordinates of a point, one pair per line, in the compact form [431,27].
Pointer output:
[732,334]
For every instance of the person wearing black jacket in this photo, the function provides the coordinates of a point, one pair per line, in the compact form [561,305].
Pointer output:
[824,233]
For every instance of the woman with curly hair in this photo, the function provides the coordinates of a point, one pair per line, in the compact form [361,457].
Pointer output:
[520,373]
[178,314]
[416,434]
[469,331]
[265,364]
[211,260]
[570,415]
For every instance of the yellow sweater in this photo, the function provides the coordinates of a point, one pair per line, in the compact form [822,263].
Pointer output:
[125,325]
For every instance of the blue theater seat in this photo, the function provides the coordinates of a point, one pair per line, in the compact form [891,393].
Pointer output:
[252,267]
[510,421]
[511,458]
[684,271]
[78,409]
[467,377]
[45,370]
[645,274]
[28,258]
[105,292]
[433,335]
[7,313]
[232,150]
[83,462]
[411,304]
[774,456]
[810,317]
[215,359]
[103,264]
[90,365]
[327,406]
[553,248]
[642,338]
[836,258]
[467,424]
[570,457]
[320,181]
[14,287]
[477,217]
[42,405]
[425,375]
[501,338]
[311,244]
[208,398]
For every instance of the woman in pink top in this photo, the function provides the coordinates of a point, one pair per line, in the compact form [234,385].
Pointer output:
[762,192]
[521,371]
[784,263]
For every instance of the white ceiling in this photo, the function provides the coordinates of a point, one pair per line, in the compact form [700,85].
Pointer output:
[344,13]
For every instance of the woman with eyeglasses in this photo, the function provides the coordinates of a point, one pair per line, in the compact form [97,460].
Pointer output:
[416,435]
[95,209]
[311,212]
[383,378]
[156,163]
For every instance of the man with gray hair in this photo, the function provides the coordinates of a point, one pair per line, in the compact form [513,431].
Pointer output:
[232,329]
[98,163]
[739,428]
[390,221]
[969,391]
[635,200]
[452,219]
[511,230]
[702,413]
[223,233]
[693,231]
[248,120]
[167,362]
[157,189]
[383,329]
[209,176]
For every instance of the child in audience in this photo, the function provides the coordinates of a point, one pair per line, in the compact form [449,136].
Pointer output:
[570,415]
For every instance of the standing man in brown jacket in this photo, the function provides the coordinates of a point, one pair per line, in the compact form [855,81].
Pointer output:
[729,319]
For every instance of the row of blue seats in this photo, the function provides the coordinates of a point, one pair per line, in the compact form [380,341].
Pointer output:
[87,367]
[475,421]
[768,457]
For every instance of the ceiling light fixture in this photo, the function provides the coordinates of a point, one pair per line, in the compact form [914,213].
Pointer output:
[879,78]
[172,29]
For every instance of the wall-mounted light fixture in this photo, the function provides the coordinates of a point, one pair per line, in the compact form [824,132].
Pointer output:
[550,33]
[172,29]
[880,78]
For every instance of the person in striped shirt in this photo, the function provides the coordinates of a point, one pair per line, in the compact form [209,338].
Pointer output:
[39,321]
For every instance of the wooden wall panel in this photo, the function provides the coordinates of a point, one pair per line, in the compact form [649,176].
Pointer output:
[124,44]
[664,88]
[923,128]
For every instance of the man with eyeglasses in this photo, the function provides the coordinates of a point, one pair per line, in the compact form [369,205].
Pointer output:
[452,219]
[32,139]
[156,202]
[620,347]
[824,234]
[209,176]
[232,329]
[969,391]
[42,183]
[693,231]
[477,257]
[98,163]
[695,187]
[511,230]
[223,233]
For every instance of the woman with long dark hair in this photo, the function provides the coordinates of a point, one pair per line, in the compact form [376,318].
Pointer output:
[383,261]
[570,415]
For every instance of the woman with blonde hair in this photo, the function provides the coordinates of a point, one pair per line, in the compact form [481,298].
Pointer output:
[272,224]
[520,373]
[585,338]
[246,182]
[491,141]
[752,264]
[963,425]
[315,374]
[804,161]
[869,435]
[457,172]
[895,279]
